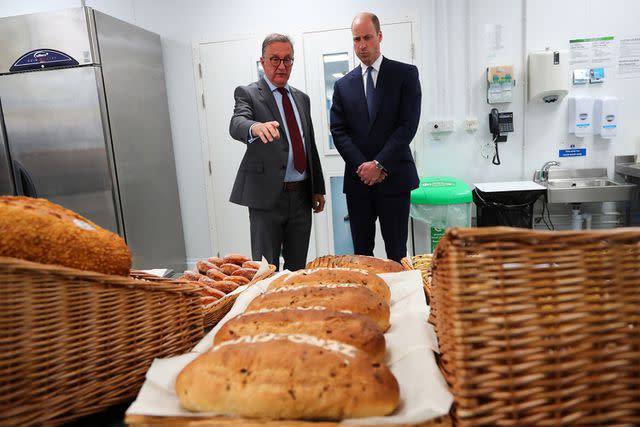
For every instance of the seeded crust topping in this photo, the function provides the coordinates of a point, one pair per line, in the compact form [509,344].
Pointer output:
[329,345]
[325,285]
[272,310]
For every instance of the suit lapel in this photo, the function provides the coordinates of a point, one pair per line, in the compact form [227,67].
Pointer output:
[267,98]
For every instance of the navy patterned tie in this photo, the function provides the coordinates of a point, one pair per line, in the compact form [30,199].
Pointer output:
[371,93]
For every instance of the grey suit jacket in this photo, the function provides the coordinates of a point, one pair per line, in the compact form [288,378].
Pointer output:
[261,174]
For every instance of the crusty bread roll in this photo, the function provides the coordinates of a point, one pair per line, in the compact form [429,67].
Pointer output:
[343,296]
[353,329]
[369,263]
[287,376]
[41,231]
[334,275]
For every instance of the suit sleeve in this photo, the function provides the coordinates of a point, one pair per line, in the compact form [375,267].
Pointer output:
[408,119]
[243,115]
[340,131]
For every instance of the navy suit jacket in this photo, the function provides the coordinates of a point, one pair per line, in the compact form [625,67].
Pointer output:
[387,135]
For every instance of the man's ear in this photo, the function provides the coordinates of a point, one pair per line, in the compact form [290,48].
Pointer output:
[379,35]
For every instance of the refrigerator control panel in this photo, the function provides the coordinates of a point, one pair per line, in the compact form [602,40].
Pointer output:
[42,58]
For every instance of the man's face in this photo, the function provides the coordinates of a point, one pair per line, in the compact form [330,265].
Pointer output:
[278,75]
[366,42]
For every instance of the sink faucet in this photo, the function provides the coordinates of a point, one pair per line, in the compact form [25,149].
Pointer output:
[543,173]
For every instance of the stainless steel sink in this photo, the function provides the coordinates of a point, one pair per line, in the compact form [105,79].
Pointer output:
[584,186]
[628,166]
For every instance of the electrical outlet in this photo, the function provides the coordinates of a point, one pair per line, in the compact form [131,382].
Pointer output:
[471,124]
[441,126]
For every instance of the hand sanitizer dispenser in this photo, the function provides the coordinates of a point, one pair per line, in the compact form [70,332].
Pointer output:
[605,117]
[581,115]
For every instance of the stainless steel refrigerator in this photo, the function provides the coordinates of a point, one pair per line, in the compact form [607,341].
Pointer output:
[84,122]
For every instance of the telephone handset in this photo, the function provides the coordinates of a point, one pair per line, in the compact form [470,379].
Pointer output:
[500,123]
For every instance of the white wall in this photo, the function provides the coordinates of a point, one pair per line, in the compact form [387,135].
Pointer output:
[456,42]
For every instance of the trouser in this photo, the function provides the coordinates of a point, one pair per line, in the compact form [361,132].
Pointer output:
[393,212]
[286,226]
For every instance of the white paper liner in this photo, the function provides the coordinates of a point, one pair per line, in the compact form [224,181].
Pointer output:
[411,342]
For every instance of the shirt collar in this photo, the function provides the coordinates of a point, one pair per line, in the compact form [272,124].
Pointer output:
[375,65]
[274,87]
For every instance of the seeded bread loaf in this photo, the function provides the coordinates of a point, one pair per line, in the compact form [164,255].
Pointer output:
[369,263]
[41,231]
[286,377]
[353,329]
[354,298]
[334,275]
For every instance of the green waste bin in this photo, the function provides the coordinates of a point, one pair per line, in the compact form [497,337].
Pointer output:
[438,203]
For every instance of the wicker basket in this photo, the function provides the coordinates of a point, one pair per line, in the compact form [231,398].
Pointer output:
[540,328]
[214,312]
[74,342]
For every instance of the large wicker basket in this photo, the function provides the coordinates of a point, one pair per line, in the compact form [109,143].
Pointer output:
[74,342]
[540,328]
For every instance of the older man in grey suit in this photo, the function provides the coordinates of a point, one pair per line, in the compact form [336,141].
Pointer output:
[280,177]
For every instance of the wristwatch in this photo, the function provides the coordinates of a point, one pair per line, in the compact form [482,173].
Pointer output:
[378,165]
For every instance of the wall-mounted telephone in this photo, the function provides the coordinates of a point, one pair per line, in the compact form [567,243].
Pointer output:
[500,123]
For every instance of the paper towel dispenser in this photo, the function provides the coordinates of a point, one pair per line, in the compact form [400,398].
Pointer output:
[548,76]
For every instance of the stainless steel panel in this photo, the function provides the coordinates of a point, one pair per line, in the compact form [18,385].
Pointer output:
[55,137]
[67,31]
[6,174]
[140,130]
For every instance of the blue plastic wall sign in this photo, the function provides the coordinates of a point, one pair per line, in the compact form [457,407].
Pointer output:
[573,152]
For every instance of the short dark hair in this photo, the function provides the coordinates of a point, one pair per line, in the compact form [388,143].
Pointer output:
[275,38]
[374,20]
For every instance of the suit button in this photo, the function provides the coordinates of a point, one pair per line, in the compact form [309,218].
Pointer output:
[284,168]
[285,149]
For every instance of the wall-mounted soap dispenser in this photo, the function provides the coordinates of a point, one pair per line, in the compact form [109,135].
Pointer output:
[605,117]
[581,115]
[548,76]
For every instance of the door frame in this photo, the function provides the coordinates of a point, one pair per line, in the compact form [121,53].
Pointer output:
[209,184]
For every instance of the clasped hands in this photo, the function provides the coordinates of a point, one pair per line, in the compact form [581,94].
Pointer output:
[370,174]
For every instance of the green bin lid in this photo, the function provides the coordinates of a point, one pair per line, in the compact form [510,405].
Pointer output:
[441,190]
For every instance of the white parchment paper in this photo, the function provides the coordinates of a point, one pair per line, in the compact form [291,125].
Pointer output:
[411,342]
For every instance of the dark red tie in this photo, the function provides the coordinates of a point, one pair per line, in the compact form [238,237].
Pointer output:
[299,159]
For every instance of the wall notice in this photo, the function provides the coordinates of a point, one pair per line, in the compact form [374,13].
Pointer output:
[591,52]
[629,58]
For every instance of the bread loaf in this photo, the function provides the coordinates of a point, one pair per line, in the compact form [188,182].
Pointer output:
[334,275]
[353,329]
[354,298]
[285,377]
[369,263]
[41,231]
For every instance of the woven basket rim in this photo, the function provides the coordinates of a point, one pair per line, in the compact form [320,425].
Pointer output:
[166,285]
[508,233]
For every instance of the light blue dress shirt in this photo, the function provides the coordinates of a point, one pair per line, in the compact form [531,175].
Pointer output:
[291,174]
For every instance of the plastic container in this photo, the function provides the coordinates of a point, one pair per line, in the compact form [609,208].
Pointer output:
[438,203]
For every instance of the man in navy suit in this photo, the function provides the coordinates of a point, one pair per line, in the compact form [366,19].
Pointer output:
[374,117]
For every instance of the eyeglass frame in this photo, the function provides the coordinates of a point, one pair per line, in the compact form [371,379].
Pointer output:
[281,61]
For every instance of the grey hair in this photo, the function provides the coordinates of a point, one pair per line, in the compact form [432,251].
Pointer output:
[275,38]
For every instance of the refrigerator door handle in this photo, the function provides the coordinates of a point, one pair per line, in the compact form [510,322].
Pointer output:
[24,183]
[6,172]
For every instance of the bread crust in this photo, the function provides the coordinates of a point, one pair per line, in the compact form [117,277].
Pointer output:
[320,276]
[354,298]
[41,231]
[286,377]
[353,329]
[369,263]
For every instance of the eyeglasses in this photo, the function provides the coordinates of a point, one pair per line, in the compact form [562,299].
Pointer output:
[275,61]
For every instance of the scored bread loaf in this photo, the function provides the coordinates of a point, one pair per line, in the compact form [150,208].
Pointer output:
[369,263]
[285,376]
[353,329]
[41,231]
[343,296]
[320,276]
